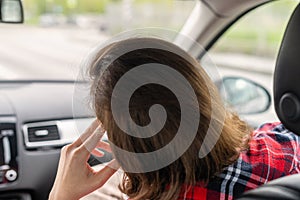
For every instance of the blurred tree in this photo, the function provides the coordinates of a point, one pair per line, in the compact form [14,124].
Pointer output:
[66,7]
[91,6]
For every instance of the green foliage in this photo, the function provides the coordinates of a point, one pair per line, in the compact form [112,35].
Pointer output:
[91,6]
[67,7]
[153,1]
[259,32]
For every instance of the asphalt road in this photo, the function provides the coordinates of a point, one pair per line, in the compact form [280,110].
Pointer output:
[28,52]
[44,53]
[58,53]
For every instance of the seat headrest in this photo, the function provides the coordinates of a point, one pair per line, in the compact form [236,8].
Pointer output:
[287,76]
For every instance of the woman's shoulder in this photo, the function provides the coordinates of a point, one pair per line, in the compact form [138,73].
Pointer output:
[273,152]
[273,149]
[269,126]
[275,132]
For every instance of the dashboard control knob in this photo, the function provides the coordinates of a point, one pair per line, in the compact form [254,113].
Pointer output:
[11,175]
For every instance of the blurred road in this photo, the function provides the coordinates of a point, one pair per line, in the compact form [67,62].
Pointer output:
[28,52]
[44,53]
[57,53]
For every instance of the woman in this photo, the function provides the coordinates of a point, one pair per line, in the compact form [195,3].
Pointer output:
[232,160]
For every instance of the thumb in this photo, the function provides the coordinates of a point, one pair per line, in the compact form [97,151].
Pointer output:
[102,176]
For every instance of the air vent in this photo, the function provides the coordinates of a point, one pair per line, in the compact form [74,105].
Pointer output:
[53,133]
[43,133]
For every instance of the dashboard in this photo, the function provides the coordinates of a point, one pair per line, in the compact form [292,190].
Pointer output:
[36,120]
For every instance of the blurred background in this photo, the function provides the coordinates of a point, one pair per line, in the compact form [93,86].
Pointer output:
[57,34]
[108,16]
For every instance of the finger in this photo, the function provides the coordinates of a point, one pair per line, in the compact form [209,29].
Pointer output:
[61,163]
[101,145]
[98,153]
[104,145]
[104,174]
[113,164]
[87,133]
[90,144]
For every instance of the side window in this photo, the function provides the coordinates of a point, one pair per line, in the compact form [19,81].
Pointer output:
[257,34]
[248,49]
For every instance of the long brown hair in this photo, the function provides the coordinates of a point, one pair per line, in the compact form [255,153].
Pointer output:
[167,182]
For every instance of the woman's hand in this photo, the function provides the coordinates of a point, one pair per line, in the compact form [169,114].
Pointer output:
[75,178]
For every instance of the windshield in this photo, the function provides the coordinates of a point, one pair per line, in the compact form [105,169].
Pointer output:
[58,35]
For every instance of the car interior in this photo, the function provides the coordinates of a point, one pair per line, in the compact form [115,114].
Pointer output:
[31,139]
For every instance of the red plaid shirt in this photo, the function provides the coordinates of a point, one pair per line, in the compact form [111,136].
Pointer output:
[274,152]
